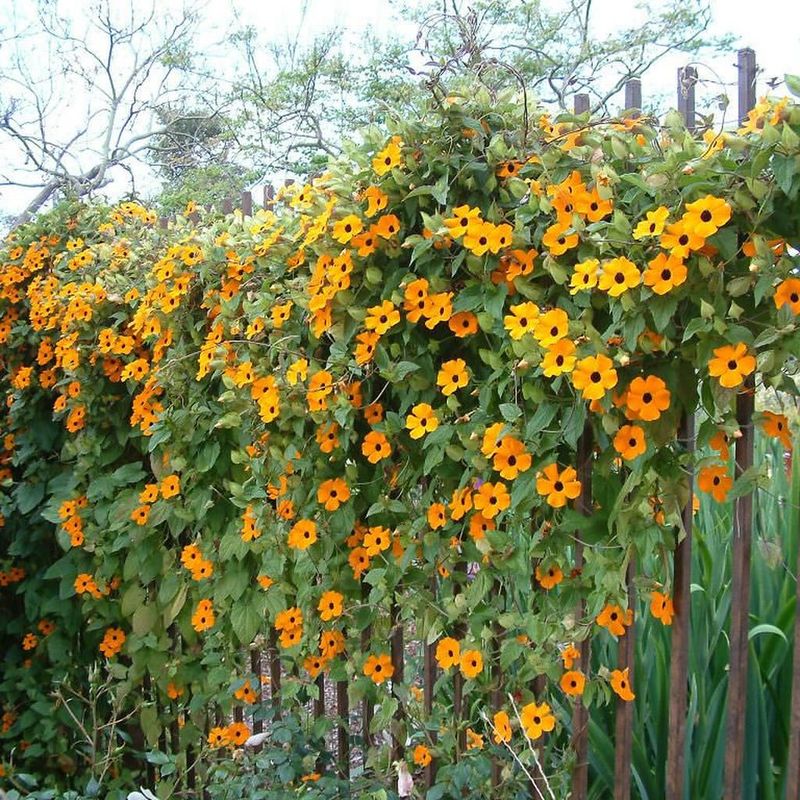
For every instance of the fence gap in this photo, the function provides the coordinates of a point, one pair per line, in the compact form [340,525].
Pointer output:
[679,655]
[740,601]
[623,734]
[580,714]
[746,66]
[255,667]
[687,78]
[496,694]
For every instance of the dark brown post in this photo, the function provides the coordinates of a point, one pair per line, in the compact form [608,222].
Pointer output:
[163,223]
[269,195]
[319,700]
[343,732]
[255,666]
[580,714]
[687,78]
[366,705]
[746,65]
[428,681]
[398,742]
[623,735]
[227,205]
[740,602]
[247,204]
[679,659]
[633,95]
[581,103]
[274,673]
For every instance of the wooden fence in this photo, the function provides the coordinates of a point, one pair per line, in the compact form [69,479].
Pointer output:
[352,747]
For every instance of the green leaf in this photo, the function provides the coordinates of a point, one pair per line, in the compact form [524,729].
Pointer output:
[144,618]
[207,456]
[792,84]
[765,627]
[510,412]
[245,620]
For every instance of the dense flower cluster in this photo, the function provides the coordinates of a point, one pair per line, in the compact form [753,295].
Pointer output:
[359,410]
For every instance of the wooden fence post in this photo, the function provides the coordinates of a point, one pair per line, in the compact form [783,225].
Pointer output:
[740,602]
[396,643]
[274,673]
[687,78]
[343,732]
[623,729]
[581,103]
[580,714]
[428,681]
[247,204]
[633,95]
[746,66]
[227,205]
[679,656]
[366,705]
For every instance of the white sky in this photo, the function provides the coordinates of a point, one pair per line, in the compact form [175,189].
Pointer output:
[770,27]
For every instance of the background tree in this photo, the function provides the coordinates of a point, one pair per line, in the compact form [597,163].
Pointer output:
[83,94]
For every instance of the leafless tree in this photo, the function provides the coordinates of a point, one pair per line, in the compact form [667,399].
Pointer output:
[80,95]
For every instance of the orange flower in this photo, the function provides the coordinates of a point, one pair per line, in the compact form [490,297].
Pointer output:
[218,737]
[203,616]
[719,442]
[387,159]
[382,317]
[474,740]
[511,458]
[521,320]
[471,663]
[327,437]
[453,375]
[537,720]
[376,200]
[557,240]
[681,240]
[777,425]
[174,691]
[416,299]
[463,324]
[422,756]
[141,514]
[421,420]
[376,540]
[618,275]
[387,226]
[629,442]
[331,605]
[365,349]
[648,397]
[551,327]
[238,733]
[715,481]
[448,653]
[479,526]
[376,447]
[359,561]
[593,376]
[664,273]
[113,639]
[289,619]
[170,486]
[460,221]
[345,229]
[460,503]
[573,682]
[149,494]
[559,358]
[302,534]
[437,516]
[652,224]
[491,499]
[550,577]
[332,493]
[614,619]
[331,643]
[706,216]
[379,668]
[661,607]
[502,727]
[788,294]
[557,486]
[620,683]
